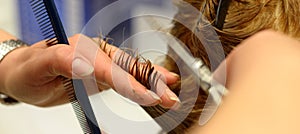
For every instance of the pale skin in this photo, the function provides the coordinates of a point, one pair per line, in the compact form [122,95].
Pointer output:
[262,77]
[263,80]
[32,75]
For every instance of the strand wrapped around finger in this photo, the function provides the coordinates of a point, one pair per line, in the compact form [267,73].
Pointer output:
[130,61]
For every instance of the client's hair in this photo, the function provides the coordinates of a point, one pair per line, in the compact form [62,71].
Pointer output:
[244,18]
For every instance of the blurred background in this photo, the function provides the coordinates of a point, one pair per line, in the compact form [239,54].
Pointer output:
[111,110]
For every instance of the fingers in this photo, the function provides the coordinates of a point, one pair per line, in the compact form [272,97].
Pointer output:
[169,98]
[108,72]
[83,58]
[127,86]
[170,77]
[159,79]
[116,54]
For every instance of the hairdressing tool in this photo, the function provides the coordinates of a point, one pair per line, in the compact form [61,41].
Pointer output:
[201,71]
[52,29]
[221,13]
[205,79]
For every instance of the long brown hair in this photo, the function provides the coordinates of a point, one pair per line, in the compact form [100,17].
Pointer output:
[244,18]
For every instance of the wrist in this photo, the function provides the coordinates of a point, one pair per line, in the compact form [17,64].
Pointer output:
[7,64]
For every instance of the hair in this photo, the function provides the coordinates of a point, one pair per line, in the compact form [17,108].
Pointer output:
[244,18]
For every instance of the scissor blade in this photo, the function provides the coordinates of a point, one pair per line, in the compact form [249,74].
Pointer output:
[183,54]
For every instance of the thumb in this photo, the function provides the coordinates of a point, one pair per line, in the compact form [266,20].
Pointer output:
[61,62]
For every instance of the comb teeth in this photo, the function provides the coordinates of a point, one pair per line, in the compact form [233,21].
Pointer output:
[42,18]
[68,84]
[80,116]
[47,28]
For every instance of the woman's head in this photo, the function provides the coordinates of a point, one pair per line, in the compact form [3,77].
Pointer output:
[243,19]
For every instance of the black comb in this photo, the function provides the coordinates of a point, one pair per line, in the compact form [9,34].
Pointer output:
[52,29]
[221,13]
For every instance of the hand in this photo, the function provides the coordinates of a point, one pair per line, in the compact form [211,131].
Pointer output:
[33,74]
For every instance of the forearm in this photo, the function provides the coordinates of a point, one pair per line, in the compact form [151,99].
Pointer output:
[5,36]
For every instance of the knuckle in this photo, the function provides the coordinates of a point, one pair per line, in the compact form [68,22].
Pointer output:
[61,59]
[61,51]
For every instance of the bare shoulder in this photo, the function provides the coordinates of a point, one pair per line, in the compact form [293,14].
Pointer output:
[263,81]
[268,55]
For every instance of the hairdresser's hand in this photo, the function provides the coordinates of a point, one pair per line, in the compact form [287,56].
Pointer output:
[32,74]
[107,72]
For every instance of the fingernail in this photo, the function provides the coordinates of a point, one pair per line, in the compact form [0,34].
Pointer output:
[174,74]
[172,96]
[154,96]
[82,68]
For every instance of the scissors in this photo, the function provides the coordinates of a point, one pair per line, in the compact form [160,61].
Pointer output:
[205,80]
